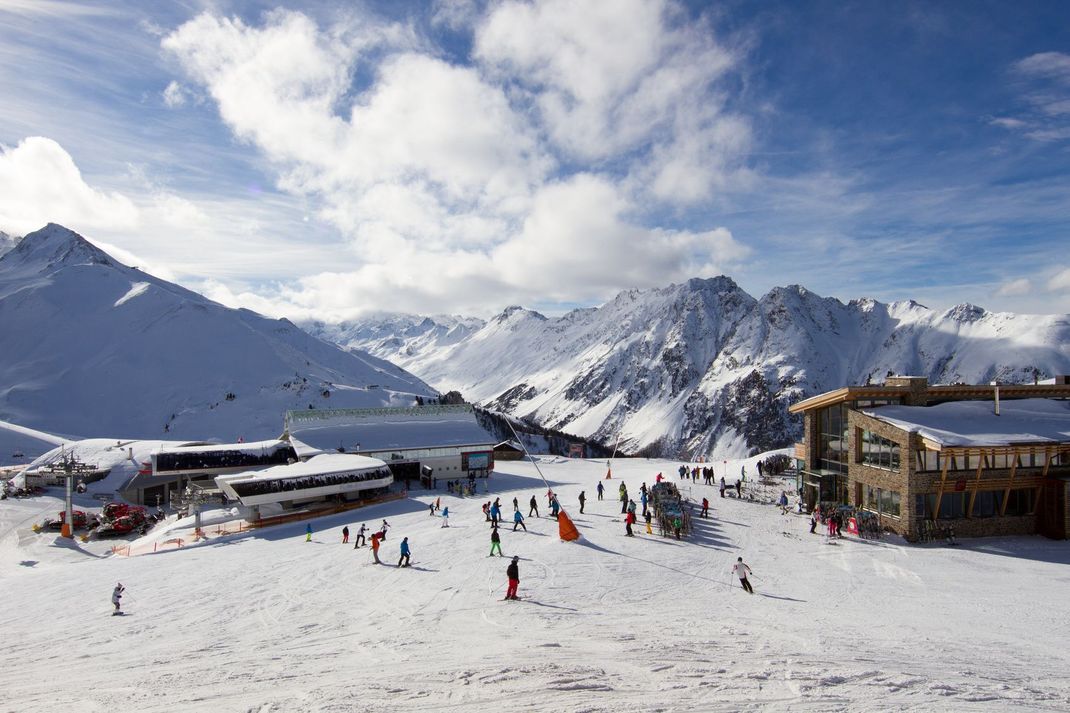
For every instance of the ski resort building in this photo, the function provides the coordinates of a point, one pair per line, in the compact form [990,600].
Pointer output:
[341,477]
[984,459]
[424,443]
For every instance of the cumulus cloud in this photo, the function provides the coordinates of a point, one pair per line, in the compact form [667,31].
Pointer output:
[40,183]
[482,172]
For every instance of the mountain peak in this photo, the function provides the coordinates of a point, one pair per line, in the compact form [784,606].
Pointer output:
[54,246]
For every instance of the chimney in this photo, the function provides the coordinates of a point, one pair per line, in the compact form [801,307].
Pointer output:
[996,384]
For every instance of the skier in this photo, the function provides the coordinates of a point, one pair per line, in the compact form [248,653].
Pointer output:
[555,507]
[739,489]
[783,502]
[404,553]
[516,504]
[628,520]
[432,513]
[376,536]
[495,541]
[741,570]
[513,573]
[648,515]
[446,516]
[813,522]
[623,498]
[683,471]
[438,504]
[359,540]
[382,532]
[722,487]
[518,519]
[486,512]
[600,490]
[495,513]
[583,499]
[705,508]
[345,535]
[116,595]
[642,499]
[631,507]
[308,532]
[534,507]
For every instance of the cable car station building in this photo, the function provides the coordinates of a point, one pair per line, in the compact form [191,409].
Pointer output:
[986,460]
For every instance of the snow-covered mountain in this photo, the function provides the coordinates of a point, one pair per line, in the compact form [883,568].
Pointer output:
[7,242]
[91,347]
[703,368]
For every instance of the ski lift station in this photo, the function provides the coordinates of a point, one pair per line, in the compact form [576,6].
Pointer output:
[422,443]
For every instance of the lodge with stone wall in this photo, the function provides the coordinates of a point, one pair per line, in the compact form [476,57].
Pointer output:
[960,455]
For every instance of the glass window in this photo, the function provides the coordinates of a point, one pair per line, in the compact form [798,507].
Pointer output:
[986,503]
[890,503]
[924,505]
[879,452]
[1020,502]
[952,506]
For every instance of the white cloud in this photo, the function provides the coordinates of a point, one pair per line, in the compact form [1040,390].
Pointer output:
[1052,65]
[40,183]
[174,95]
[1060,281]
[1021,286]
[609,79]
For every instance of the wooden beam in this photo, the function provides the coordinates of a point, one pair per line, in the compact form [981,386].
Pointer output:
[943,482]
[981,459]
[1007,490]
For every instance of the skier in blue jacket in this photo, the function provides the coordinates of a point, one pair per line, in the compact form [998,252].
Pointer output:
[404,553]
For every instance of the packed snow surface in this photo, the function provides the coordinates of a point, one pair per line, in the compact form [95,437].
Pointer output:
[975,423]
[264,621]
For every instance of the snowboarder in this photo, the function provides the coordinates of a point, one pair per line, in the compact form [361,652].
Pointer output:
[739,489]
[308,532]
[345,535]
[376,536]
[496,541]
[722,487]
[600,490]
[404,553]
[741,570]
[583,499]
[359,540]
[513,573]
[116,595]
[446,516]
[705,508]
[518,519]
[534,507]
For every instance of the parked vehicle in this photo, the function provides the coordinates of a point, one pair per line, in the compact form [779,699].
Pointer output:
[79,518]
[133,521]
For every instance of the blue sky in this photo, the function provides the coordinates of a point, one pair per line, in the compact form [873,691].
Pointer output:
[326,159]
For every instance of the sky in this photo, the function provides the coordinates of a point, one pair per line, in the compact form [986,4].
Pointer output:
[325,160]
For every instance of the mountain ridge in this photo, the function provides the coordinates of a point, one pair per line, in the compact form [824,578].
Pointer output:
[702,367]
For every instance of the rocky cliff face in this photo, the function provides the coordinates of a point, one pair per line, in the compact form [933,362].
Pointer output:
[703,368]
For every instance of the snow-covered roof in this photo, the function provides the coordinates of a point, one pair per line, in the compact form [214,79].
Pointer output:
[975,424]
[251,447]
[394,430]
[317,465]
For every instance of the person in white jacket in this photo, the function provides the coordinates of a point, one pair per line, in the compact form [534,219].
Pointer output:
[117,594]
[741,570]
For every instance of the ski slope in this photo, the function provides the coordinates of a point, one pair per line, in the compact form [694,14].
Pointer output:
[267,622]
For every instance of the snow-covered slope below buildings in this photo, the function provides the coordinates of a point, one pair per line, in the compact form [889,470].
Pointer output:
[91,347]
[703,368]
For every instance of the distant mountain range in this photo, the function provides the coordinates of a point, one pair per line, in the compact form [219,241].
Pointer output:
[91,347]
[703,368]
